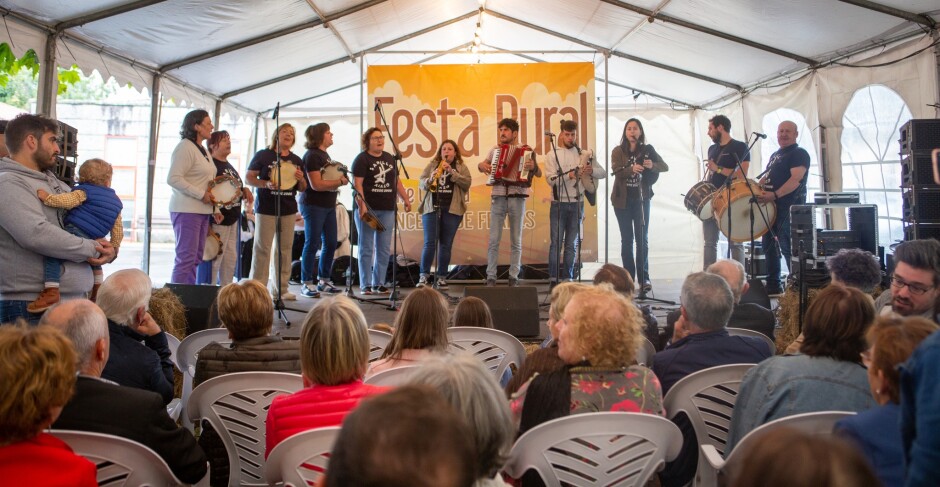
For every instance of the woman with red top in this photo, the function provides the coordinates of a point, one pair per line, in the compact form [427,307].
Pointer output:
[38,377]
[334,355]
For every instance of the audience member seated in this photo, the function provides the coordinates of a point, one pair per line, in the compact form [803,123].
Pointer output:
[473,311]
[140,356]
[701,341]
[420,331]
[920,421]
[598,338]
[827,375]
[915,285]
[748,316]
[247,311]
[38,376]
[620,279]
[789,458]
[851,268]
[546,359]
[409,437]
[103,407]
[334,355]
[891,341]
[469,387]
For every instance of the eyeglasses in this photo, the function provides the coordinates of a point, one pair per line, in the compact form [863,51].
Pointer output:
[378,137]
[917,289]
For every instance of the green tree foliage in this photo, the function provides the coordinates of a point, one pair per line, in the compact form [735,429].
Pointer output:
[19,78]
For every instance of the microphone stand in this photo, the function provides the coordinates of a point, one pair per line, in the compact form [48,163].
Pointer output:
[278,301]
[352,247]
[752,202]
[393,297]
[437,234]
[556,198]
[640,238]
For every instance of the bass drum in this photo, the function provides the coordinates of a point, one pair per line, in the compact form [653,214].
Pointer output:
[740,207]
[699,200]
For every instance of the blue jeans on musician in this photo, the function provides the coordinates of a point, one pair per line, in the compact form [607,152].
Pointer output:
[320,231]
[782,228]
[569,216]
[11,310]
[52,267]
[631,222]
[374,249]
[449,224]
[500,208]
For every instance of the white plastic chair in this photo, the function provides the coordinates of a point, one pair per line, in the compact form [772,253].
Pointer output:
[175,407]
[186,355]
[497,349]
[756,334]
[121,461]
[707,397]
[378,340]
[302,458]
[644,354]
[392,377]
[610,448]
[818,423]
[236,405]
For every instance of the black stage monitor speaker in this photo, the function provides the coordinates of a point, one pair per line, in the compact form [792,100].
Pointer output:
[515,309]
[198,300]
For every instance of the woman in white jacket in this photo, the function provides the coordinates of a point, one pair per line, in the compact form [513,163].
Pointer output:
[191,169]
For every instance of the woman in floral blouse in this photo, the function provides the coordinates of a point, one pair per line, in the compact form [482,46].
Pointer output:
[598,336]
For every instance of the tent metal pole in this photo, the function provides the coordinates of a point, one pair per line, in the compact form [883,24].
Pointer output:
[935,35]
[155,112]
[48,80]
[362,93]
[606,161]
[217,116]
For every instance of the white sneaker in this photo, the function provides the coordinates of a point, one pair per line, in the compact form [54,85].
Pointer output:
[288,296]
[422,281]
[442,283]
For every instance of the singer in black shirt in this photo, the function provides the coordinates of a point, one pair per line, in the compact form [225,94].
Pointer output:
[636,166]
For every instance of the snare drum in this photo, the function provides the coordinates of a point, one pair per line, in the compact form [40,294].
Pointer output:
[699,199]
[285,178]
[740,206]
[333,171]
[225,190]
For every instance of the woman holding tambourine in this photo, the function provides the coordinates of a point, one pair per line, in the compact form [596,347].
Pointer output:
[275,186]
[227,194]
[447,180]
[377,181]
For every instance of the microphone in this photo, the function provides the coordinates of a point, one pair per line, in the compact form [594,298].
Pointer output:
[277,110]
[549,133]
[763,136]
[378,104]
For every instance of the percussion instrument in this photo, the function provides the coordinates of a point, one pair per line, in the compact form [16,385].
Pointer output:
[334,171]
[699,199]
[285,178]
[370,219]
[225,191]
[507,166]
[740,205]
[213,248]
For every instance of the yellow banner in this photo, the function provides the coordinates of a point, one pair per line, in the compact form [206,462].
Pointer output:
[425,105]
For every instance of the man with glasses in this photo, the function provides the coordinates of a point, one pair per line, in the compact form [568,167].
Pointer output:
[914,286]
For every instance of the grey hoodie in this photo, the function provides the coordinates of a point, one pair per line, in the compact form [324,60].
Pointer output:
[30,230]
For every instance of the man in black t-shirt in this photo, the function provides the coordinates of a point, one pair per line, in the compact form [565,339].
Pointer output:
[723,158]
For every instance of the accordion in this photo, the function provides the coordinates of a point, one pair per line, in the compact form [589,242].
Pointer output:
[506,167]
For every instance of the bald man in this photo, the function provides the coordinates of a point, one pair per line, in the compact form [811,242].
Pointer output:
[786,180]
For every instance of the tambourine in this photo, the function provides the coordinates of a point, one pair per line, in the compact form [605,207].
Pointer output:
[334,171]
[225,190]
[285,178]
[370,219]
[213,248]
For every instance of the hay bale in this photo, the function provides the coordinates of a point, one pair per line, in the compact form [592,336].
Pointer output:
[168,311]
[788,315]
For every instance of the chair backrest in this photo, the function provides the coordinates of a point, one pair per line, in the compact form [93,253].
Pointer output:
[302,458]
[610,449]
[392,377]
[237,406]
[707,397]
[497,349]
[186,355]
[174,344]
[756,334]
[119,461]
[644,354]
[378,340]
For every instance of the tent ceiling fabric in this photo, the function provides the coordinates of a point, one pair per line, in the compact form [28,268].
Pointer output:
[694,51]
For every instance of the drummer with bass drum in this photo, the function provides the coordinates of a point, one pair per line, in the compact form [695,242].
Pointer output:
[785,185]
[723,158]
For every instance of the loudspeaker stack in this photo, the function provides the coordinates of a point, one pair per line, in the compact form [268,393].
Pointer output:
[920,195]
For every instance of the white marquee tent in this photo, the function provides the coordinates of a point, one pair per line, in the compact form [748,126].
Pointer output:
[674,63]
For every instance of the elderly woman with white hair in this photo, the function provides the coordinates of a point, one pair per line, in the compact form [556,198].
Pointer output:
[140,355]
[473,392]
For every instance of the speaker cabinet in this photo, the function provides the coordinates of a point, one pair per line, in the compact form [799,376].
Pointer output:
[198,301]
[515,310]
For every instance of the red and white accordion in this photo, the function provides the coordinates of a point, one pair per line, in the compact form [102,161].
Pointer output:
[506,167]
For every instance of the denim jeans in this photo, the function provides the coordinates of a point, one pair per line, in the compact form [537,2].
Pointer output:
[11,310]
[711,232]
[449,224]
[190,230]
[374,249]
[566,219]
[632,228]
[500,208]
[782,228]
[320,230]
